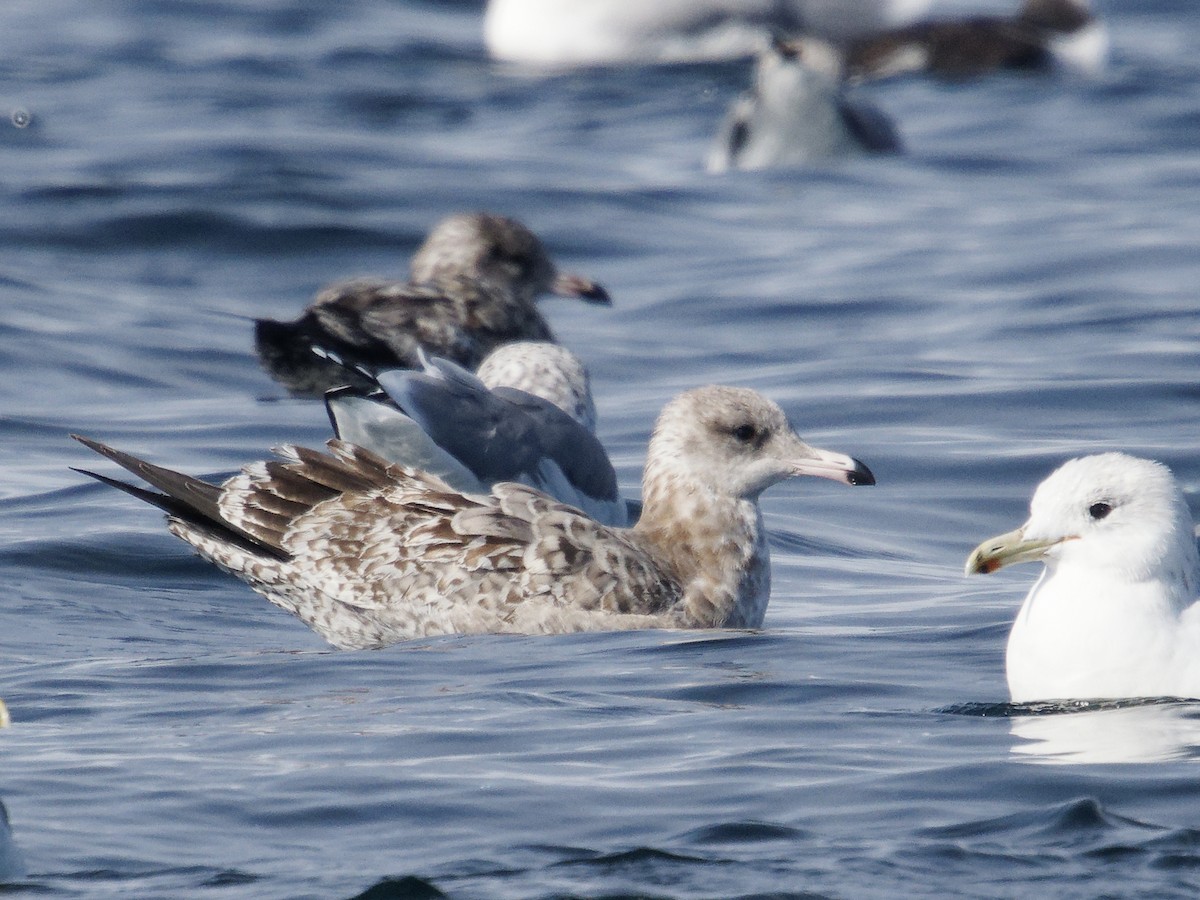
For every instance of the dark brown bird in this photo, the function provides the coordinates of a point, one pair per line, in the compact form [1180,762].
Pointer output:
[974,46]
[473,285]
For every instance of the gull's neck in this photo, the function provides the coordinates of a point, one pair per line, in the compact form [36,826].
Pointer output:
[713,544]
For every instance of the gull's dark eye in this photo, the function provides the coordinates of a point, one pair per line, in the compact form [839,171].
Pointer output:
[745,433]
[1099,510]
[787,49]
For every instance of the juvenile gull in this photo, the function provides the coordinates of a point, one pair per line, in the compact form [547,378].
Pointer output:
[527,417]
[472,286]
[1114,614]
[1042,33]
[797,113]
[369,553]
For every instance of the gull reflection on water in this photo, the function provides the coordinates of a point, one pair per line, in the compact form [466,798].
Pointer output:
[1108,732]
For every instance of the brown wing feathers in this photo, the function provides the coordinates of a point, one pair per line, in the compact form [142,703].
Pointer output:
[269,497]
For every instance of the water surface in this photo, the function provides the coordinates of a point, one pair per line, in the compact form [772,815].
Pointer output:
[1017,289]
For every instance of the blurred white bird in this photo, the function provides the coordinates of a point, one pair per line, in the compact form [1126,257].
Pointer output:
[798,113]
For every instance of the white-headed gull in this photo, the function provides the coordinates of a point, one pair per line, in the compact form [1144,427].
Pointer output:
[797,113]
[1114,614]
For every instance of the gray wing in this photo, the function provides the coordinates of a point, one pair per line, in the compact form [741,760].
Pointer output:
[374,423]
[505,435]
[870,126]
[482,430]
[571,446]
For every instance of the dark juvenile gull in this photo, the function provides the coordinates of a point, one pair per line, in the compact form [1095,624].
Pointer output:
[369,553]
[528,417]
[797,113]
[1114,614]
[1041,34]
[473,285]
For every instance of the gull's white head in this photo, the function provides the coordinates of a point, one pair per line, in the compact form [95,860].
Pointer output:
[1110,512]
[736,442]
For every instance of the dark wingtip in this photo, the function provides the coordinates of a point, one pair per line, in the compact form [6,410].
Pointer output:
[860,475]
[102,449]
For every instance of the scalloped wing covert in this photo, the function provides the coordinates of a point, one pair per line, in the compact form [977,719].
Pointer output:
[396,553]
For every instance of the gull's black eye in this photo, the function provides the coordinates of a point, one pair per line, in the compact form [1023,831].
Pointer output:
[745,433]
[787,49]
[1099,510]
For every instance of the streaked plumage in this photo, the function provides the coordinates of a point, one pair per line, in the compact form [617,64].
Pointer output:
[472,286]
[369,553]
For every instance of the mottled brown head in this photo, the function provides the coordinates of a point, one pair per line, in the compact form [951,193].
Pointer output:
[734,441]
[500,251]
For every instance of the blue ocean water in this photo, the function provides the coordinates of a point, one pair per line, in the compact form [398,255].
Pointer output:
[1020,287]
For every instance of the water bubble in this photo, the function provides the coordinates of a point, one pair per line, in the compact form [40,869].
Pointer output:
[21,117]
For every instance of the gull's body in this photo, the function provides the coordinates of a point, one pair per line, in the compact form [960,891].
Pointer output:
[608,32]
[527,416]
[1114,614]
[473,285]
[369,553]
[798,114]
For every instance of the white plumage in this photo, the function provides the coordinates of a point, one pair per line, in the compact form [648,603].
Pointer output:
[599,32]
[797,113]
[1114,614]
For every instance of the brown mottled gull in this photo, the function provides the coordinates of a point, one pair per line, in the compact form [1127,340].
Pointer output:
[369,553]
[527,416]
[472,286]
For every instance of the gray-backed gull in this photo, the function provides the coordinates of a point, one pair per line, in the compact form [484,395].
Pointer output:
[473,285]
[369,553]
[1114,614]
[798,114]
[527,416]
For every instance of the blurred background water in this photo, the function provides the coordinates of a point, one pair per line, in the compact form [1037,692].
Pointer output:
[1018,288]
